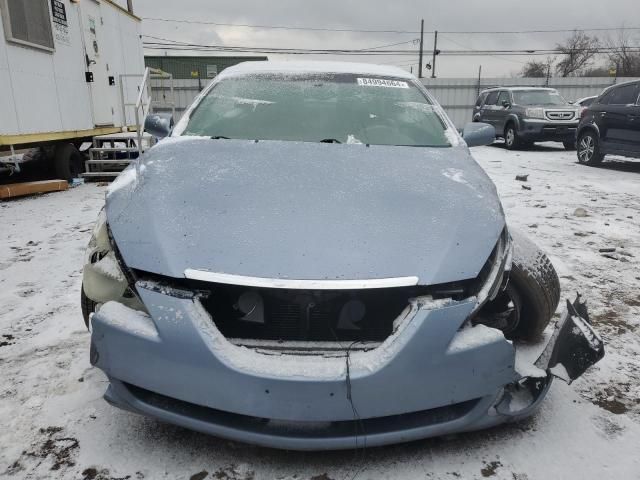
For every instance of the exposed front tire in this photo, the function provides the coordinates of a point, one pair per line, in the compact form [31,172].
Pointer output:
[87,305]
[511,139]
[588,149]
[537,285]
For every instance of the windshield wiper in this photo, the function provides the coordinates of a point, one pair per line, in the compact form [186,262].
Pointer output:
[219,137]
[330,140]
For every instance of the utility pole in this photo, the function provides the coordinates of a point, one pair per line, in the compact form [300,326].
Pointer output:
[548,74]
[479,77]
[435,52]
[421,44]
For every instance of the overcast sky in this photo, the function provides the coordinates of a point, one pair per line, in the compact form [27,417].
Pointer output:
[443,15]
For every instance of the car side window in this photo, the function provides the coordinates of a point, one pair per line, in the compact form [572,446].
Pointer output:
[480,99]
[624,95]
[503,97]
[492,98]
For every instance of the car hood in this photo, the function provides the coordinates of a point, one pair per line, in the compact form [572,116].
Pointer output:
[293,210]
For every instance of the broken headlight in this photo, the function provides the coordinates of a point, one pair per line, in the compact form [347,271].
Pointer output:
[494,273]
[103,276]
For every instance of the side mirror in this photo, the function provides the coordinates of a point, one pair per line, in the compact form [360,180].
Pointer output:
[506,104]
[477,134]
[158,124]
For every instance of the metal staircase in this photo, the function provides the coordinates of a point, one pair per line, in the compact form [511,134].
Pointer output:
[110,154]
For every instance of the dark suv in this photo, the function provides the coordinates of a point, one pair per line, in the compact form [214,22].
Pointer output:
[524,115]
[611,125]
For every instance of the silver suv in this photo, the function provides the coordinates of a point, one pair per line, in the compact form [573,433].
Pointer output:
[524,115]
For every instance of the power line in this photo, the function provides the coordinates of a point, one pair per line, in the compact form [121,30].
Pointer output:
[186,44]
[177,48]
[278,27]
[396,31]
[392,44]
[180,46]
[565,30]
[492,56]
[165,44]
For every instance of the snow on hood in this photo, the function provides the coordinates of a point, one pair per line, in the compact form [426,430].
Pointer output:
[307,211]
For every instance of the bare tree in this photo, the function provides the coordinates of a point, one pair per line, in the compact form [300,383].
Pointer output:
[534,69]
[623,55]
[537,69]
[578,52]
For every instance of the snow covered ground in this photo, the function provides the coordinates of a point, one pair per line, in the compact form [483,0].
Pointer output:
[54,423]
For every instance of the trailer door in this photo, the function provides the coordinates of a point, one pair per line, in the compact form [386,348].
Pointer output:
[103,96]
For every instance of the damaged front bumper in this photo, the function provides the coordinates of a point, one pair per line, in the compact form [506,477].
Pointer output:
[568,351]
[433,376]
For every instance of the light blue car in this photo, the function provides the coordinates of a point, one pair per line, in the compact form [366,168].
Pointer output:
[312,259]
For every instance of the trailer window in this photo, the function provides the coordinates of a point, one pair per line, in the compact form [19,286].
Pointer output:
[28,23]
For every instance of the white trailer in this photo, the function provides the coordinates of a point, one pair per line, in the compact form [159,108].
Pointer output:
[69,70]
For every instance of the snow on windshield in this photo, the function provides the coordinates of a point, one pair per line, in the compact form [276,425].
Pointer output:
[340,108]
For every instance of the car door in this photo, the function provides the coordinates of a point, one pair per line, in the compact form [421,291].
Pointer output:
[633,126]
[476,115]
[503,109]
[487,112]
[617,118]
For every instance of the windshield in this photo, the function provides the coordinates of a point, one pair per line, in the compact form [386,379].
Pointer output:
[538,97]
[314,108]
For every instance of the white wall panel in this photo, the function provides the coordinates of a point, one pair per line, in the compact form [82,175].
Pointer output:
[74,100]
[8,118]
[36,98]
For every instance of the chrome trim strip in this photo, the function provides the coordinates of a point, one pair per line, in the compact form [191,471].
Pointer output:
[292,284]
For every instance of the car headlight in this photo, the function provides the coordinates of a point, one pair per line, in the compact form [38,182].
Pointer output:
[103,279]
[534,113]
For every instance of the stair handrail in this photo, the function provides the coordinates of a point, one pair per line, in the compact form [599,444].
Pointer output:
[140,105]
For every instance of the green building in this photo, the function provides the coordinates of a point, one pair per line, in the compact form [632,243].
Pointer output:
[201,67]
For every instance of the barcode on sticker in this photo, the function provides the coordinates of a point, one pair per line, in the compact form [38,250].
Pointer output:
[381,82]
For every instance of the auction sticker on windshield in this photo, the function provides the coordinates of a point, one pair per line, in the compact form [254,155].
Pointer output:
[381,82]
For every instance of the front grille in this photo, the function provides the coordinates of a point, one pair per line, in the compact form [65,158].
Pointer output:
[361,315]
[306,315]
[560,115]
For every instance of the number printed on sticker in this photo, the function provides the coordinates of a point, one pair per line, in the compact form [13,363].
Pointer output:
[381,82]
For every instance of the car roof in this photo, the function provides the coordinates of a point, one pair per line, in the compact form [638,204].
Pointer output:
[630,82]
[301,67]
[519,88]
[616,85]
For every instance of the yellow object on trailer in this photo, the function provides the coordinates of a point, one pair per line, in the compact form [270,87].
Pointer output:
[29,188]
